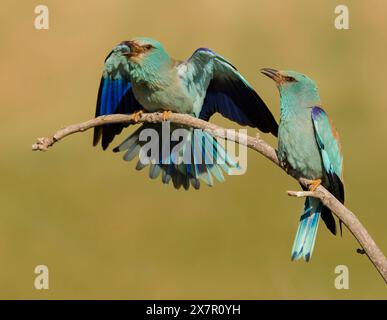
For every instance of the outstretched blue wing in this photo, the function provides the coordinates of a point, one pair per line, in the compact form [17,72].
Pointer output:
[115,94]
[227,92]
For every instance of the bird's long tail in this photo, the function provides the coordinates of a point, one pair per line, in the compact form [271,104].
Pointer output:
[307,230]
[197,156]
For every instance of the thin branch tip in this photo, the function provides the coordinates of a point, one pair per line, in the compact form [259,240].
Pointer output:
[302,194]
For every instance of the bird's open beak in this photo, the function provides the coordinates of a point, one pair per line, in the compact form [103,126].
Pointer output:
[273,74]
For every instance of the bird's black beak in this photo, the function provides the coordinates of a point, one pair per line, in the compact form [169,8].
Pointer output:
[273,74]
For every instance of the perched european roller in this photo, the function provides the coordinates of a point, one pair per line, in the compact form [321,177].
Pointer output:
[139,75]
[308,143]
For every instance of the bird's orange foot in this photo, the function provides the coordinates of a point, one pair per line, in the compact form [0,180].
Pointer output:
[166,115]
[136,115]
[314,184]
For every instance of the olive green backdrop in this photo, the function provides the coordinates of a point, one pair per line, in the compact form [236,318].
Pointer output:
[107,231]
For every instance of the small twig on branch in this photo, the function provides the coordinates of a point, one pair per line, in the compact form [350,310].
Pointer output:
[300,194]
[345,215]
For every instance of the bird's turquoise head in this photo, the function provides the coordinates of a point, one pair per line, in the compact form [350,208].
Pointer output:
[294,87]
[145,51]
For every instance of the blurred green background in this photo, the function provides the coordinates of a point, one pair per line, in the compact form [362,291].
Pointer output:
[107,231]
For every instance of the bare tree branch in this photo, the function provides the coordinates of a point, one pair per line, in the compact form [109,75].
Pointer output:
[345,215]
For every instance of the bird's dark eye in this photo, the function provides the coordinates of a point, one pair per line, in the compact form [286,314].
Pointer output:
[290,79]
[148,47]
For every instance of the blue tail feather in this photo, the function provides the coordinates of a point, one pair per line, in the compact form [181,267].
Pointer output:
[206,159]
[307,230]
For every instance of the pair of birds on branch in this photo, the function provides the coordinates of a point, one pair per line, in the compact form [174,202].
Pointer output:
[139,75]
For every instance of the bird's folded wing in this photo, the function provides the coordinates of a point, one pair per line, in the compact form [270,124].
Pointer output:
[328,142]
[115,94]
[227,92]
